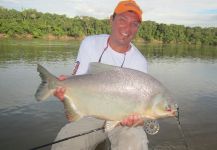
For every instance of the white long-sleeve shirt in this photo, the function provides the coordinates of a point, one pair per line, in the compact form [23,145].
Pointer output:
[92,48]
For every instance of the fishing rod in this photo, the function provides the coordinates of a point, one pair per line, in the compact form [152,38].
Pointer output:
[71,137]
[102,128]
[180,129]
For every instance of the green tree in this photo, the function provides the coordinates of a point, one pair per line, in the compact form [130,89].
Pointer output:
[29,21]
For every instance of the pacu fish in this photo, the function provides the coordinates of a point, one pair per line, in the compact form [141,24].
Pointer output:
[110,93]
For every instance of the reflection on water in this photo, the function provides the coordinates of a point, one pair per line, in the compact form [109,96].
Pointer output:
[36,51]
[179,51]
[189,72]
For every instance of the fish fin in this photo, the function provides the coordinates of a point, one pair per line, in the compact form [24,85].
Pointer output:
[95,67]
[109,125]
[48,84]
[70,110]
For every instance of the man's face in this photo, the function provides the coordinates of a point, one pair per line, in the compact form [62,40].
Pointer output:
[124,27]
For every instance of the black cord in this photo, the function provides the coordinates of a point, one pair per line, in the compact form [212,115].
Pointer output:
[61,140]
[180,130]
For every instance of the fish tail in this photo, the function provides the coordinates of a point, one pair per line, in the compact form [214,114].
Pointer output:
[48,84]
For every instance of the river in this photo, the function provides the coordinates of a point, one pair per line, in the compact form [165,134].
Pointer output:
[189,72]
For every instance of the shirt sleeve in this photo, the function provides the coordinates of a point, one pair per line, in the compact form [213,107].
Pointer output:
[144,66]
[138,61]
[83,57]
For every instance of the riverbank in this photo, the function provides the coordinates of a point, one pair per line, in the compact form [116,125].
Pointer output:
[52,37]
[45,37]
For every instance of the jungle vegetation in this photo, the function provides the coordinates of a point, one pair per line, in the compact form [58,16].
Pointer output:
[15,23]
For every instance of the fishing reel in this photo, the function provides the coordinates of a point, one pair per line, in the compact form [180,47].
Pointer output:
[151,127]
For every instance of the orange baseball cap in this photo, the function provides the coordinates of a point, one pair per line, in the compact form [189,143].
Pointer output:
[128,5]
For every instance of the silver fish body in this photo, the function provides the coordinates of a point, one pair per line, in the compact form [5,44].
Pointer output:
[110,93]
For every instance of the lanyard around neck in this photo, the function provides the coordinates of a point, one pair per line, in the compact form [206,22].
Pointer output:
[107,45]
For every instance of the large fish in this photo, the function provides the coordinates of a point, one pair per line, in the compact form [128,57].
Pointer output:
[110,93]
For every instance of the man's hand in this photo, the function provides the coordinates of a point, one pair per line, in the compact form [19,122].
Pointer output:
[60,91]
[132,120]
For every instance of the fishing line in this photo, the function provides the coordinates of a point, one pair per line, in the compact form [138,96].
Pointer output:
[180,129]
[61,140]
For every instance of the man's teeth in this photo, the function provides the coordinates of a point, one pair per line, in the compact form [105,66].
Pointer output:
[124,34]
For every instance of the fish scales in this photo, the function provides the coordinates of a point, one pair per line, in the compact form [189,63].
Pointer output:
[110,93]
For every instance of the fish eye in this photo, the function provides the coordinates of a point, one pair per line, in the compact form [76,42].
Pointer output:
[168,108]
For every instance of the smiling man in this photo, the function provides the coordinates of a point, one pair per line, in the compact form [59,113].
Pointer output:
[114,49]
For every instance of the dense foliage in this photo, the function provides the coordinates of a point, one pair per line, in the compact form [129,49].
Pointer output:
[37,24]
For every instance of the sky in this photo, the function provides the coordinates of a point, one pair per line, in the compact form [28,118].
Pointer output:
[182,12]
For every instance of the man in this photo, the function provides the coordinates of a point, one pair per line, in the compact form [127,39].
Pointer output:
[115,49]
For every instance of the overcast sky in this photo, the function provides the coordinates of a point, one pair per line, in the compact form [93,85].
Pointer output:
[184,12]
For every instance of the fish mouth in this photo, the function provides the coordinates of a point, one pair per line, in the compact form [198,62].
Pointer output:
[173,110]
